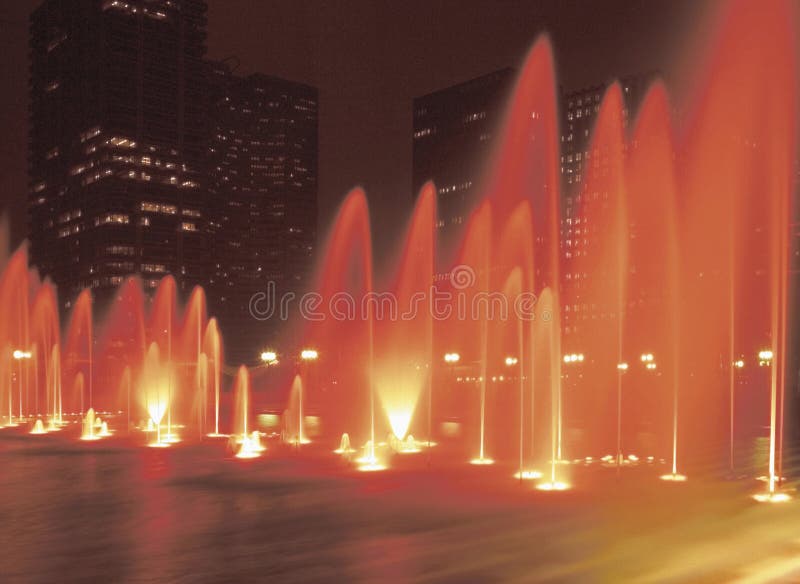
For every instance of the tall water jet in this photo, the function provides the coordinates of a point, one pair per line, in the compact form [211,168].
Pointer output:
[162,321]
[154,391]
[45,338]
[79,344]
[517,248]
[599,272]
[652,209]
[526,167]
[213,348]
[121,343]
[250,444]
[54,389]
[294,423]
[471,281]
[88,431]
[345,273]
[404,327]
[189,354]
[126,385]
[546,341]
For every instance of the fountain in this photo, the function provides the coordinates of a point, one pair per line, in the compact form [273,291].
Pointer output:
[38,427]
[344,445]
[89,428]
[669,279]
[294,414]
[249,441]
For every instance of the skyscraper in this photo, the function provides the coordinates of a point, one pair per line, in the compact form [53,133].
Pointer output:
[454,131]
[263,189]
[117,140]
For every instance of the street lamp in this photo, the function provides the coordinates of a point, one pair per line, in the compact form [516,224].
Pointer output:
[309,355]
[574,358]
[511,361]
[269,357]
[622,366]
[765,357]
[739,363]
[452,358]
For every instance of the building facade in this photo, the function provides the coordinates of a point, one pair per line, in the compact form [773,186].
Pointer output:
[262,165]
[117,141]
[454,132]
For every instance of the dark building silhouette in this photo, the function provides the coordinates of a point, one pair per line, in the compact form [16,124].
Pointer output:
[454,131]
[117,141]
[263,188]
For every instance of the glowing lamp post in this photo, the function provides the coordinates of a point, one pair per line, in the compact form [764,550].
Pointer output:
[269,358]
[452,358]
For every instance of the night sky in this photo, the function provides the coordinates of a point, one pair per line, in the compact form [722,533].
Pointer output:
[369,58]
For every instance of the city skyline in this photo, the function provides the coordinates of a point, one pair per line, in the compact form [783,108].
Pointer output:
[364,122]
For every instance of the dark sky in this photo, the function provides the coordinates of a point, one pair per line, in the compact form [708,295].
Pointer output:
[369,58]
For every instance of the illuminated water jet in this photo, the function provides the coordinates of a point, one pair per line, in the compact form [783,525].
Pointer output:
[38,427]
[88,432]
[369,461]
[344,445]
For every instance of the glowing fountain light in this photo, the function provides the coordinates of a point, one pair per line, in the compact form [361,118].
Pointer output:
[407,446]
[88,432]
[481,461]
[344,445]
[369,461]
[774,497]
[399,420]
[38,427]
[673,477]
[245,451]
[156,393]
[528,475]
[552,486]
[250,441]
[250,446]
